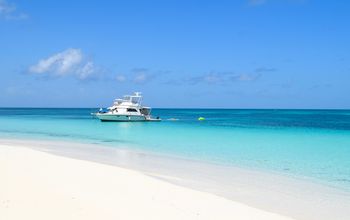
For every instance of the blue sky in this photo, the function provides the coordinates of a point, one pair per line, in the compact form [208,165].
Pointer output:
[216,54]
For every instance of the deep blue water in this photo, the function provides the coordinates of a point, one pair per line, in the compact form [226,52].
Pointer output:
[305,143]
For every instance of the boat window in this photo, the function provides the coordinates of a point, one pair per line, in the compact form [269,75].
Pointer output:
[134,100]
[131,110]
[145,111]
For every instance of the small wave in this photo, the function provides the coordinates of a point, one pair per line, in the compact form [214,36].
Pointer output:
[172,119]
[343,180]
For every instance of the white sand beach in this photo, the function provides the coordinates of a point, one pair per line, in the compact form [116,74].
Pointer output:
[38,185]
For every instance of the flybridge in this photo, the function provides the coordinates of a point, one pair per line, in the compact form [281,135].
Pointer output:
[129,99]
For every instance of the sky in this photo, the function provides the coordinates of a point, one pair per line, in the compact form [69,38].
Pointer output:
[179,54]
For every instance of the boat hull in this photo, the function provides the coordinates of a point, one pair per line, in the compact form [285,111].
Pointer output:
[112,117]
[123,118]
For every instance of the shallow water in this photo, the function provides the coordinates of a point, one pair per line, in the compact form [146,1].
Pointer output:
[305,143]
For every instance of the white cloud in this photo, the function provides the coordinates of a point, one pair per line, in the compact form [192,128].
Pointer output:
[140,78]
[120,78]
[142,75]
[68,62]
[211,78]
[86,70]
[6,8]
[137,75]
[9,11]
[265,69]
[246,77]
[60,63]
[222,78]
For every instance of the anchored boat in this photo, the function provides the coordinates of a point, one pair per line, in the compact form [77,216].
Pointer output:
[127,109]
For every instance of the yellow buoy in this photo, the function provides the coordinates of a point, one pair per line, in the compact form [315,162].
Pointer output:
[201,119]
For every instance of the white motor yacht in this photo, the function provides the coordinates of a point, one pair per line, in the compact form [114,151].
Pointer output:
[127,109]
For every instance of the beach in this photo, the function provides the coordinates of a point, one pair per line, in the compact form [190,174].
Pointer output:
[47,180]
[38,185]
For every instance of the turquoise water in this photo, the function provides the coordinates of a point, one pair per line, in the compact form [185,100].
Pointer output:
[305,143]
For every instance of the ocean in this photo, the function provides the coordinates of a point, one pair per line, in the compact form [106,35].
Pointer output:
[311,144]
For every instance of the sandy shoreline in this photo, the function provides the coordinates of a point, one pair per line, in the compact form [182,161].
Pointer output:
[38,185]
[238,189]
